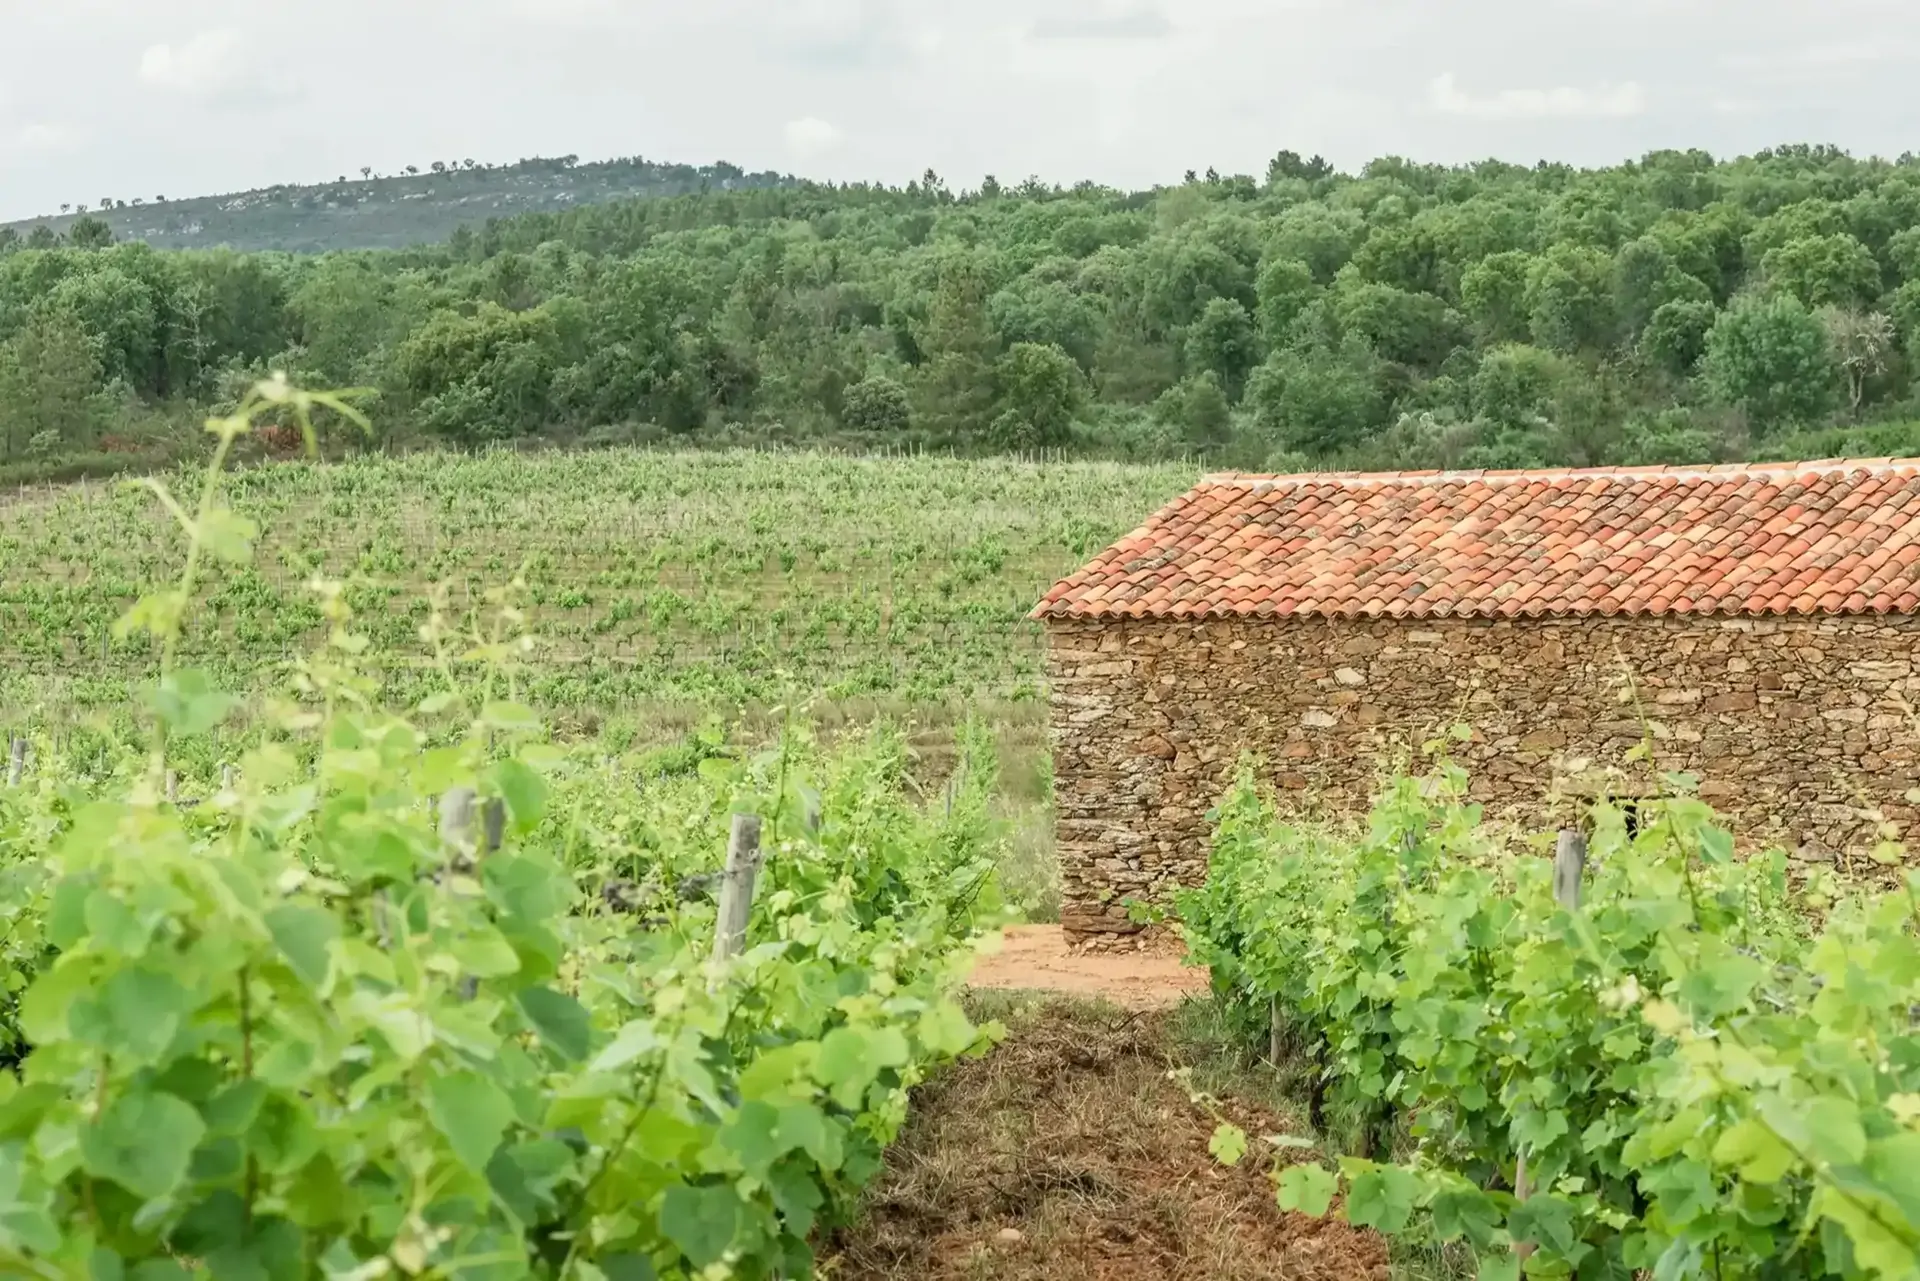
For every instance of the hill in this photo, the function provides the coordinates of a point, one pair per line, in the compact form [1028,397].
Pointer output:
[393,211]
[1676,308]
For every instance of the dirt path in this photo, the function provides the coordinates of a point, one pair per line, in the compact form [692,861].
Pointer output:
[1068,1155]
[1036,958]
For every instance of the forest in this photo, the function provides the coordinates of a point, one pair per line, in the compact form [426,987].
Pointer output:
[1673,309]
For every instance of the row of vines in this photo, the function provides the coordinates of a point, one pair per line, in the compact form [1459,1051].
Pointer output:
[1704,1067]
[648,576]
[309,1021]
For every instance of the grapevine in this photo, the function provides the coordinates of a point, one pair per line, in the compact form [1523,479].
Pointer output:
[1703,1070]
[289,1026]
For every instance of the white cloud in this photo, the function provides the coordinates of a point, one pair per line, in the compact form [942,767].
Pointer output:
[811,136]
[1603,102]
[561,13]
[1130,22]
[202,66]
[39,137]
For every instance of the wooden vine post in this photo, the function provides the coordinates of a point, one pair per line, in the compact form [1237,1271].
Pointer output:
[1569,869]
[736,886]
[470,830]
[17,762]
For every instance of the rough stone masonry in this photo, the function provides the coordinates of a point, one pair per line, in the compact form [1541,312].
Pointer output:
[1802,729]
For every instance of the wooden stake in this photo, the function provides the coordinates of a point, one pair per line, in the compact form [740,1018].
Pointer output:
[173,788]
[1569,868]
[17,762]
[493,825]
[736,886]
[456,822]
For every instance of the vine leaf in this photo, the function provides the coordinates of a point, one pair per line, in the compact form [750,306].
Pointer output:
[305,936]
[472,1112]
[1228,1144]
[1382,1198]
[561,1021]
[851,1058]
[524,791]
[701,1221]
[1307,1189]
[228,535]
[143,1142]
[187,703]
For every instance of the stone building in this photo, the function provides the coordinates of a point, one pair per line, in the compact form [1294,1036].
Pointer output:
[1761,622]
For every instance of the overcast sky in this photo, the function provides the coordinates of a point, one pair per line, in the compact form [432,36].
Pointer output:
[191,97]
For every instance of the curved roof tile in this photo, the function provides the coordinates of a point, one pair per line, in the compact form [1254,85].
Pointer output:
[1837,536]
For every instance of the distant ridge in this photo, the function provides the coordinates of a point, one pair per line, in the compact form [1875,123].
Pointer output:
[394,211]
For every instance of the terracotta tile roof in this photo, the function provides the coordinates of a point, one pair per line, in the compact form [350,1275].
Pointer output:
[1838,536]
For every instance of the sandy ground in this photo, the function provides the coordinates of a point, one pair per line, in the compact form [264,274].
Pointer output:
[1036,958]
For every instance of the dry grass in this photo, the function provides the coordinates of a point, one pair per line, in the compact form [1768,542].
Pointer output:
[1068,1154]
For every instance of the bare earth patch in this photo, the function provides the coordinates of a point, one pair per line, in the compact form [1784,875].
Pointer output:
[1036,958]
[1068,1154]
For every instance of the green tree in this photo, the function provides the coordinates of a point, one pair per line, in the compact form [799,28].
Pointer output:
[242,311]
[1047,311]
[1903,253]
[1493,293]
[489,376]
[1570,300]
[1825,271]
[1706,244]
[1771,357]
[1903,308]
[877,406]
[1812,219]
[1040,391]
[1223,342]
[89,233]
[340,312]
[122,313]
[1323,238]
[50,384]
[1404,257]
[1675,336]
[1516,383]
[1863,344]
[1646,278]
[1319,401]
[1407,328]
[1182,273]
[956,383]
[1198,409]
[1286,287]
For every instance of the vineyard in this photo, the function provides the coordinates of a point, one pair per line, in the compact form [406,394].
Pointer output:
[649,578]
[428,995]
[396,980]
[300,1028]
[1647,1059]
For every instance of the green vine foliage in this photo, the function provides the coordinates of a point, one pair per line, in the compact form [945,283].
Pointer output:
[298,1029]
[1708,1070]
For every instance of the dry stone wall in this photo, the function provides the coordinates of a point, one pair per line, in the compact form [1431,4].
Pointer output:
[1800,729]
